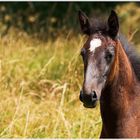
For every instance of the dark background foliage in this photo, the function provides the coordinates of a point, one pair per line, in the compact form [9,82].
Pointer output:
[51,19]
[48,18]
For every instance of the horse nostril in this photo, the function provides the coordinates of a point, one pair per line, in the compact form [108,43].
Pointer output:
[81,96]
[93,96]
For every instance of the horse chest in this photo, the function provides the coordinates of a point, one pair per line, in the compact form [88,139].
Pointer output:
[120,128]
[122,124]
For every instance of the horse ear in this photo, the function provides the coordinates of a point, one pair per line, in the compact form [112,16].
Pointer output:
[113,24]
[84,22]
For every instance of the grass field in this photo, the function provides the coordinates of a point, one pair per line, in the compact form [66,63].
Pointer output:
[40,84]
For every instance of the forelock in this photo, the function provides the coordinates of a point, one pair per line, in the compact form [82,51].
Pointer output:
[98,25]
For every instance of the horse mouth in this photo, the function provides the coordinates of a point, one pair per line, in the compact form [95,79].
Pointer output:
[93,105]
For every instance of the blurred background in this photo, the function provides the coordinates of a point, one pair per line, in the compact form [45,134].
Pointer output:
[41,71]
[42,19]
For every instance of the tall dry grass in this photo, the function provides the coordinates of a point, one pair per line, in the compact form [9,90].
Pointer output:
[39,89]
[40,84]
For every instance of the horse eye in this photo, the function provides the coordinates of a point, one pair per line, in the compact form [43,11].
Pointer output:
[83,51]
[108,57]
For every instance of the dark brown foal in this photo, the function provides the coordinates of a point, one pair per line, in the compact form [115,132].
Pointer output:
[111,75]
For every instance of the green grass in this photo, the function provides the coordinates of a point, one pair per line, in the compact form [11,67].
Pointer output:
[40,84]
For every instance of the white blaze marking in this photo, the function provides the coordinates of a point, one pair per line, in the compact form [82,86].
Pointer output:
[94,44]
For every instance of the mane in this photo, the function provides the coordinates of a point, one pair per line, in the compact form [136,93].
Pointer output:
[133,56]
[99,25]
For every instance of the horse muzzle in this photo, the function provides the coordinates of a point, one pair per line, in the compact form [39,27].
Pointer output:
[89,100]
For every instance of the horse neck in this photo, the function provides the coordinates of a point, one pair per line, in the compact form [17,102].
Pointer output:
[119,103]
[119,88]
[124,72]
[121,72]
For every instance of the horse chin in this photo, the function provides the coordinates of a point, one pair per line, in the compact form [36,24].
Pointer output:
[93,105]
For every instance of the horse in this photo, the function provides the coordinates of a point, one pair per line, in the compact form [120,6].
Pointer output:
[111,76]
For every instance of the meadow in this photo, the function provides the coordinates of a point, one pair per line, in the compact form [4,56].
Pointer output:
[40,83]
